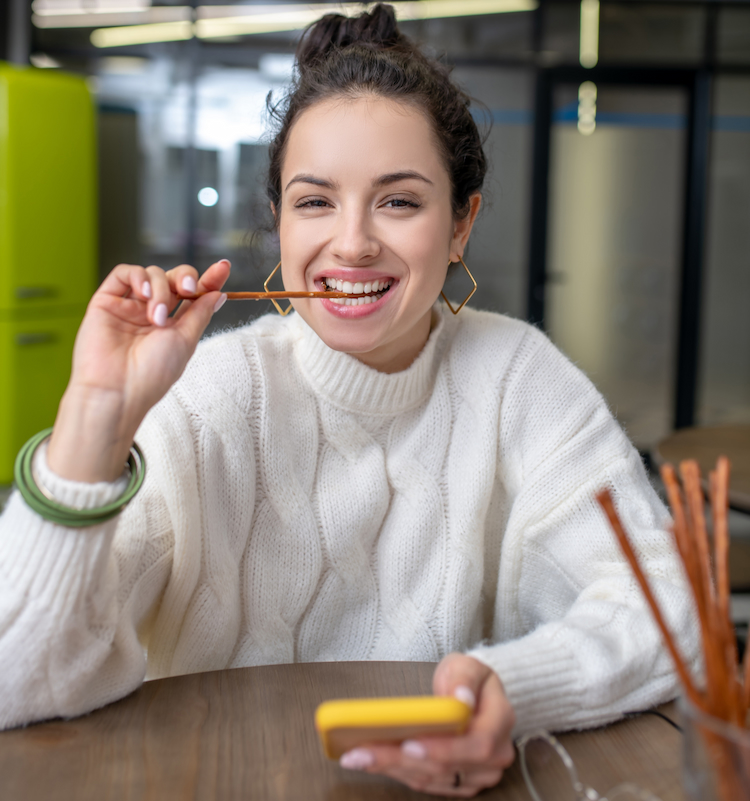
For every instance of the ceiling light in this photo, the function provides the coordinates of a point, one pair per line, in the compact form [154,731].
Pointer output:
[47,7]
[208,196]
[95,18]
[122,65]
[43,62]
[587,108]
[142,34]
[589,43]
[219,21]
[225,21]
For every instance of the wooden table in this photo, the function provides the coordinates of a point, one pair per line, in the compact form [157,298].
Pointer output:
[248,734]
[706,444]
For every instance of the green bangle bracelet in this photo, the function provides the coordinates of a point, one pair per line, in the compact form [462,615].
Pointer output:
[63,515]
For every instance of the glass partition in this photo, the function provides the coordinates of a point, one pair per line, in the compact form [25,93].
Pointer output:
[616,202]
[724,390]
[498,251]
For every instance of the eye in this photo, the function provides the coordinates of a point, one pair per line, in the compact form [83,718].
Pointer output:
[311,203]
[401,203]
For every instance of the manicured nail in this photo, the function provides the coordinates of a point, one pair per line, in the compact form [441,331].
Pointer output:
[357,759]
[220,302]
[226,261]
[414,749]
[464,694]
[160,315]
[188,284]
[146,289]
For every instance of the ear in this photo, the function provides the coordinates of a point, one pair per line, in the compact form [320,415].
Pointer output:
[462,228]
[273,211]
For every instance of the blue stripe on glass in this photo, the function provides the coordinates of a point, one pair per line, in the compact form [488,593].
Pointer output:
[569,115]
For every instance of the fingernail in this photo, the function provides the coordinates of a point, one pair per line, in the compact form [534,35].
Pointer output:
[414,749]
[188,284]
[146,289]
[160,315]
[357,759]
[220,302]
[464,694]
[226,261]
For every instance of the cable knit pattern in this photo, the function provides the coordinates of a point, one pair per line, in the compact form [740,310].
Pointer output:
[300,506]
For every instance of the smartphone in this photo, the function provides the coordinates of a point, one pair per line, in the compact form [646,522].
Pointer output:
[345,724]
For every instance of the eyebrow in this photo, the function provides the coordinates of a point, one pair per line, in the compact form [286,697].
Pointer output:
[383,180]
[393,177]
[311,179]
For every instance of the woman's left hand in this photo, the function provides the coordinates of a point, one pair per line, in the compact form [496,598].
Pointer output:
[459,767]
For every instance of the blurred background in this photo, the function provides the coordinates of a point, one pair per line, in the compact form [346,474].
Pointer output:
[618,204]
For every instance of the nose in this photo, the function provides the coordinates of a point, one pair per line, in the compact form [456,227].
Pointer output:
[354,240]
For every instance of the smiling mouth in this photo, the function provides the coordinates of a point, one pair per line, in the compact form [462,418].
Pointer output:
[362,293]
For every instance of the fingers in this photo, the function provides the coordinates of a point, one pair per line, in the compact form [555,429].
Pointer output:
[478,757]
[125,280]
[487,740]
[163,300]
[192,325]
[213,279]
[458,671]
[163,291]
[183,280]
[422,775]
[215,276]
[457,784]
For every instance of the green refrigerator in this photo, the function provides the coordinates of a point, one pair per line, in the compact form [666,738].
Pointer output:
[48,236]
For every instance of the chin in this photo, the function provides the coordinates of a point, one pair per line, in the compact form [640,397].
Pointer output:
[345,343]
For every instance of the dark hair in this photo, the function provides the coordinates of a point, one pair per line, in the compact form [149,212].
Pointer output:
[352,56]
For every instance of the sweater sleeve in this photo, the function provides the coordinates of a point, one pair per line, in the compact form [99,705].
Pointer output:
[574,641]
[72,603]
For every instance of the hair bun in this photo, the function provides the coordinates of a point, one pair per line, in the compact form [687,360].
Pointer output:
[377,29]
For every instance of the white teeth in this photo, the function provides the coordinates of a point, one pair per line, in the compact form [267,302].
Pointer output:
[361,301]
[372,290]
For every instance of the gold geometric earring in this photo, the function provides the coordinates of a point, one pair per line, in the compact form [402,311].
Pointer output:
[273,300]
[466,299]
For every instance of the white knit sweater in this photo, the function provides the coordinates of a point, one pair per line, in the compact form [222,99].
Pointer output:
[301,506]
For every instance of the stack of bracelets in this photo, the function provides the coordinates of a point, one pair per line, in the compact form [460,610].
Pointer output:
[45,505]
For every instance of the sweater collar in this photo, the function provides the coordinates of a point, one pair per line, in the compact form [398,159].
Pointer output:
[352,385]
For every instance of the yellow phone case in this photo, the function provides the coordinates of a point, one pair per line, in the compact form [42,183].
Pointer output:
[345,724]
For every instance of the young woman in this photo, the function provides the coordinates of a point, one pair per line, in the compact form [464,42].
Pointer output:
[369,480]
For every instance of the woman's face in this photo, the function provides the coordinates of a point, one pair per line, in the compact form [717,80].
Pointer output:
[366,200]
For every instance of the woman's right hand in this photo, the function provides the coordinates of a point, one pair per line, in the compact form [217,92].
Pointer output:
[128,353]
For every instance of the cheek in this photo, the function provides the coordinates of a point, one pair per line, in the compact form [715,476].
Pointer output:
[300,239]
[427,240]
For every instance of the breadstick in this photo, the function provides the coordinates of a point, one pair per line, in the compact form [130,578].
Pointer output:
[719,484]
[687,549]
[605,501]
